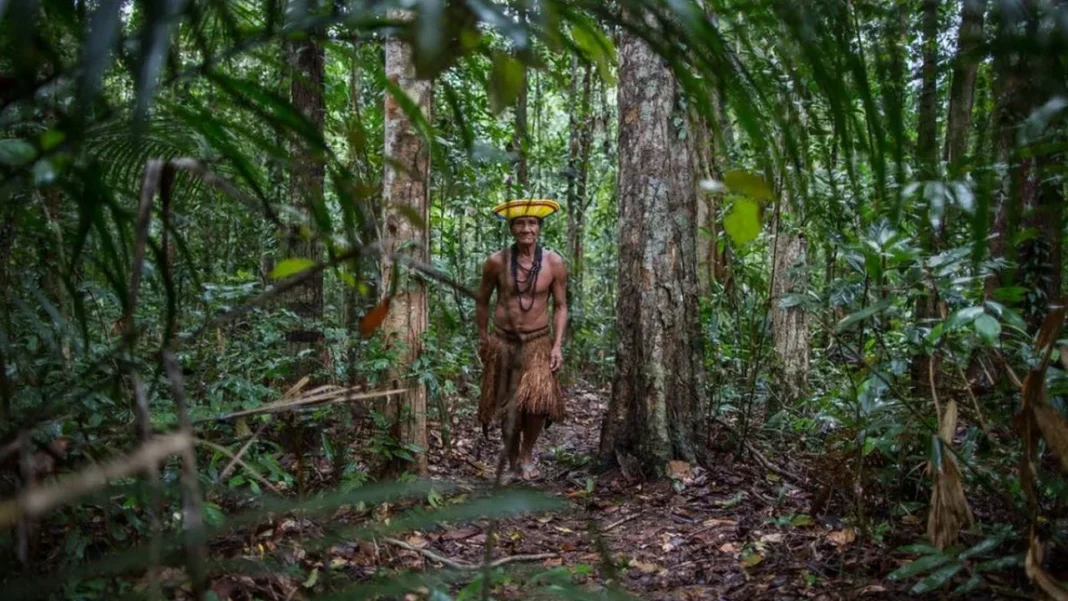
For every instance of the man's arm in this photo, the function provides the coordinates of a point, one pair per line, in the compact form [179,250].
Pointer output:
[485,290]
[559,290]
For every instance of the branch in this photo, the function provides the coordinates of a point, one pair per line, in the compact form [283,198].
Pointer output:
[37,500]
[463,565]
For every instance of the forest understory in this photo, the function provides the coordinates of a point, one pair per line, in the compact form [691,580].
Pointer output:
[741,528]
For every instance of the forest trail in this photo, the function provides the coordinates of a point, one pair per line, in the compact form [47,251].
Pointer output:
[733,532]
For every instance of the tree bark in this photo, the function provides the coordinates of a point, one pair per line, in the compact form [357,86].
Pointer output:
[405,192]
[927,166]
[578,175]
[962,88]
[790,324]
[658,399]
[306,191]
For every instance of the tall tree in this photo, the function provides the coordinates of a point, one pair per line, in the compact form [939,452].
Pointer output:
[962,88]
[658,398]
[306,191]
[406,194]
[927,166]
[578,163]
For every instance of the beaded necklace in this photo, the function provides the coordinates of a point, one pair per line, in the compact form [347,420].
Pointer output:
[527,284]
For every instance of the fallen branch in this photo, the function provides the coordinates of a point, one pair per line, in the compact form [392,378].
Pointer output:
[618,523]
[764,461]
[339,395]
[38,500]
[463,565]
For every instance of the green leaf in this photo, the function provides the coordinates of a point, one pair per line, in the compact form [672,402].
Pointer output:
[969,585]
[15,152]
[988,328]
[596,46]
[312,578]
[919,549]
[743,223]
[920,566]
[984,547]
[748,184]
[289,267]
[861,315]
[937,579]
[963,316]
[506,81]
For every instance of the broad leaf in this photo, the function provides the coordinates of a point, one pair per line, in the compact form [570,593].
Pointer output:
[506,81]
[937,579]
[290,267]
[920,566]
[743,223]
[988,328]
[749,184]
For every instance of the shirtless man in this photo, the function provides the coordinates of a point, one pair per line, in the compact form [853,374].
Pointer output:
[519,353]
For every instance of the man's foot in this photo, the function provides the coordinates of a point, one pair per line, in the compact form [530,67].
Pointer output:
[529,472]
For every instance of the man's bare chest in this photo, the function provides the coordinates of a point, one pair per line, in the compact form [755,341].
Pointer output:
[523,281]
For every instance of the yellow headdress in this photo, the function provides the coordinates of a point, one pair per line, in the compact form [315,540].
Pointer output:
[526,207]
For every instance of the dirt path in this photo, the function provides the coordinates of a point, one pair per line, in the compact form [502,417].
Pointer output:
[732,532]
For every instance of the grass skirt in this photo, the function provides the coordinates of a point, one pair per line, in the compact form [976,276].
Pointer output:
[536,389]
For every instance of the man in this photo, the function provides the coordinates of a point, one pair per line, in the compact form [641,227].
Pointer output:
[520,356]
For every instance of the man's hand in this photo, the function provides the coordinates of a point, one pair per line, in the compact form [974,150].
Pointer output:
[556,358]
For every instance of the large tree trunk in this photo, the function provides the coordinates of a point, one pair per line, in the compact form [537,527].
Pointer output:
[305,191]
[406,181]
[962,88]
[657,408]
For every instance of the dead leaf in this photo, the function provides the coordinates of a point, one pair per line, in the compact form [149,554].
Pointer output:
[374,318]
[728,548]
[417,541]
[774,538]
[553,562]
[679,470]
[843,537]
[717,522]
[644,568]
[872,588]
[751,559]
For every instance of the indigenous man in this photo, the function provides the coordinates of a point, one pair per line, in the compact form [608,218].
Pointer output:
[520,355]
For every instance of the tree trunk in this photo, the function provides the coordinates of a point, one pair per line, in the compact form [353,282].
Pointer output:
[405,192]
[962,88]
[305,191]
[790,324]
[657,408]
[927,166]
[577,176]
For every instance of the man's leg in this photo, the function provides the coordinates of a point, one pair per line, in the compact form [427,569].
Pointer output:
[532,425]
[511,438]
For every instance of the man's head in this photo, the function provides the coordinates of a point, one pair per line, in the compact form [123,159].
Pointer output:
[525,229]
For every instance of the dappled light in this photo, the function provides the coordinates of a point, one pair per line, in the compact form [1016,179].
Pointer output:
[515,299]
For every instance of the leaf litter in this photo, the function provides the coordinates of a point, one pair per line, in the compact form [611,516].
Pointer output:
[697,534]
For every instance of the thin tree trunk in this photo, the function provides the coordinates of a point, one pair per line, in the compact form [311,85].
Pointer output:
[578,176]
[306,191]
[405,192]
[658,397]
[962,88]
[927,163]
[789,324]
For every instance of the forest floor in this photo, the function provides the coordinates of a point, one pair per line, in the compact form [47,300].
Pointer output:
[733,531]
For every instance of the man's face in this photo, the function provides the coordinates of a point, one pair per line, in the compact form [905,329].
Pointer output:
[525,229]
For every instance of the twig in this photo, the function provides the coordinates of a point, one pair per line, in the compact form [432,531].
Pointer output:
[234,459]
[38,500]
[618,523]
[764,461]
[240,453]
[144,434]
[192,505]
[313,397]
[463,565]
[149,187]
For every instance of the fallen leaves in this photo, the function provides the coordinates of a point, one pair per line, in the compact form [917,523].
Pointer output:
[842,537]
